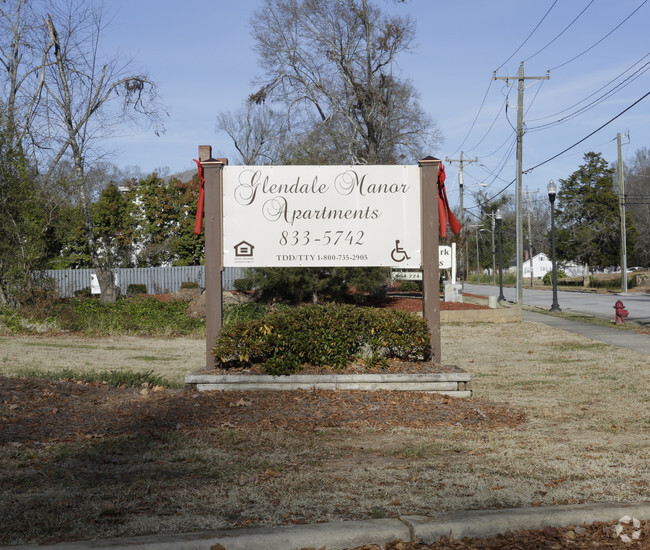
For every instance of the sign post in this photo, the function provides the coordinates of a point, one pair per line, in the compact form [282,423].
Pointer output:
[213,171]
[430,238]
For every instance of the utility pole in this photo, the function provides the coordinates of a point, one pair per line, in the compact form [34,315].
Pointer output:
[518,194]
[530,238]
[494,250]
[621,207]
[461,181]
[492,217]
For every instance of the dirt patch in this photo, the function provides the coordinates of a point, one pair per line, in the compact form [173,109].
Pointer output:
[595,535]
[44,412]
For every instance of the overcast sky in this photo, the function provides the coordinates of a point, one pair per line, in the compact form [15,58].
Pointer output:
[598,53]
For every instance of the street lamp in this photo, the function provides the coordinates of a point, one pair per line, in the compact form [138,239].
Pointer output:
[551,197]
[501,297]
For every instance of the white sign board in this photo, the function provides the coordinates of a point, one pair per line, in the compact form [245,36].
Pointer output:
[407,275]
[281,216]
[94,283]
[445,257]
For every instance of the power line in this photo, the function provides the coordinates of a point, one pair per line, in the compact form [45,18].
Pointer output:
[509,138]
[489,129]
[592,94]
[505,158]
[589,135]
[603,38]
[475,119]
[561,32]
[572,146]
[528,37]
[488,88]
[600,99]
[534,97]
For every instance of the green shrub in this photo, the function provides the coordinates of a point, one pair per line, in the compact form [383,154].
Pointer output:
[548,278]
[243,285]
[10,320]
[189,284]
[244,312]
[322,335]
[410,286]
[83,293]
[136,289]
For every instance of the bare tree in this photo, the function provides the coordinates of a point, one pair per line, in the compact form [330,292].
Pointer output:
[23,60]
[80,90]
[256,131]
[637,197]
[332,63]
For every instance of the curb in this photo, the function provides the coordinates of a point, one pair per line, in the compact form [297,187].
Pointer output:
[451,383]
[348,534]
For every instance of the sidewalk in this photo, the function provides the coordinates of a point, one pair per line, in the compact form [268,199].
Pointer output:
[610,335]
[349,534]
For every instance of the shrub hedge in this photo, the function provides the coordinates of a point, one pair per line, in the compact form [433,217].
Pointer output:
[189,284]
[322,335]
[131,315]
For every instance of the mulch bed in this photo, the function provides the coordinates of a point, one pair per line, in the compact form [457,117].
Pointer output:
[413,303]
[35,411]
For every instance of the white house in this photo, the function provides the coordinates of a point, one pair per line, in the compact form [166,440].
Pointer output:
[543,265]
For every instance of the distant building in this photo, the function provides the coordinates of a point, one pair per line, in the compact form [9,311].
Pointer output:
[542,265]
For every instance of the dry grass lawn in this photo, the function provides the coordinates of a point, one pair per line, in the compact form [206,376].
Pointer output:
[586,438]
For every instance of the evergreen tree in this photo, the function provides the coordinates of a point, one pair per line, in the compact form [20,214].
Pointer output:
[314,284]
[587,216]
[27,216]
[163,217]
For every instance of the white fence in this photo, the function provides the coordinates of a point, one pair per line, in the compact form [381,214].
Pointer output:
[159,280]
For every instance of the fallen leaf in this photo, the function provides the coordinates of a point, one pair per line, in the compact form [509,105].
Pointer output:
[241,402]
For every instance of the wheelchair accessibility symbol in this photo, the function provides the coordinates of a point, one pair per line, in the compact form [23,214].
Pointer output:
[399,254]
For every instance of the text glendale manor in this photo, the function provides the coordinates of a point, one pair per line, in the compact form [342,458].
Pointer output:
[347,183]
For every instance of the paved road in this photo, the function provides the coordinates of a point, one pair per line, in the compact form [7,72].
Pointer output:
[598,305]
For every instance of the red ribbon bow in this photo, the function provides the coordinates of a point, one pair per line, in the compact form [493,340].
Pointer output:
[444,212]
[198,223]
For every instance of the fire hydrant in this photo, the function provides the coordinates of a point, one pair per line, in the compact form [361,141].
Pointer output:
[621,312]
